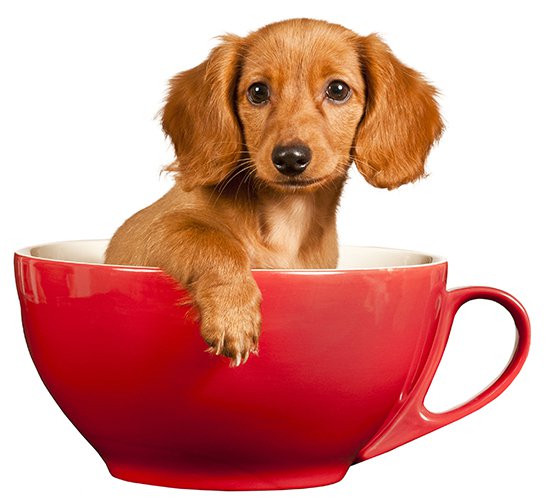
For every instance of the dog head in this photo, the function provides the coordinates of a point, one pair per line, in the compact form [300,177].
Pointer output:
[295,103]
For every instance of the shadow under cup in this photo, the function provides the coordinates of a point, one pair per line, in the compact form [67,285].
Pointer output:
[346,359]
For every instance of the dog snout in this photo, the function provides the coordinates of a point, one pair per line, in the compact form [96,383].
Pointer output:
[291,160]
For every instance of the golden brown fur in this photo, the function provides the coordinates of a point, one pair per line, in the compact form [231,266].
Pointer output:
[231,209]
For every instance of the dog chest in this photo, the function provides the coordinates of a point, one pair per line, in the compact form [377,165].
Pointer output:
[284,226]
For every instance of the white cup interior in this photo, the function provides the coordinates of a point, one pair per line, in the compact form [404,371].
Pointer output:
[350,257]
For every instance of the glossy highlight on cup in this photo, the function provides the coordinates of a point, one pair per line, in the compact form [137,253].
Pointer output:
[347,356]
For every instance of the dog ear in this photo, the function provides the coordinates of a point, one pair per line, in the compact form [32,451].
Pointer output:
[200,119]
[401,120]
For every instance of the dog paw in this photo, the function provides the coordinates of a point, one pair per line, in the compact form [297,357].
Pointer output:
[230,320]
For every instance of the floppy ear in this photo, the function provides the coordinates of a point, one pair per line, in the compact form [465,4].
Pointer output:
[199,118]
[401,120]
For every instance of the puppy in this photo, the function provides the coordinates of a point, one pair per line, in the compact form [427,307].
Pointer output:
[264,132]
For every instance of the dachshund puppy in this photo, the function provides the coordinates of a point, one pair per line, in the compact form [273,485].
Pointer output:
[264,132]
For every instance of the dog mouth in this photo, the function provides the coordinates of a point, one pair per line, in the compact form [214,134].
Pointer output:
[300,182]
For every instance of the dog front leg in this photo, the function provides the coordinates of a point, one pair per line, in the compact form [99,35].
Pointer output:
[213,266]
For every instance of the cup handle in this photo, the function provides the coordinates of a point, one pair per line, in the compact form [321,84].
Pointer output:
[412,419]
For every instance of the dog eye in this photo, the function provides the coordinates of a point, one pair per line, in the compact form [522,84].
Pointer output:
[258,93]
[338,91]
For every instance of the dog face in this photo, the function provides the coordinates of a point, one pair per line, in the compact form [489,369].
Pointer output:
[295,103]
[300,98]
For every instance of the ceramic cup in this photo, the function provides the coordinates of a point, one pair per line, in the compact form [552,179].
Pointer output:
[346,359]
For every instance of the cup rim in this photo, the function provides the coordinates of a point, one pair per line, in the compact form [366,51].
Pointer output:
[431,259]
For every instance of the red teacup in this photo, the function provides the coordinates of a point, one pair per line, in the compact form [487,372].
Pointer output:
[346,358]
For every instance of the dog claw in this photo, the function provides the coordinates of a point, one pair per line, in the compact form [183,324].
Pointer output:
[235,362]
[217,351]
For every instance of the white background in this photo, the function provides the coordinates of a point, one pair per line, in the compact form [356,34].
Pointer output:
[81,150]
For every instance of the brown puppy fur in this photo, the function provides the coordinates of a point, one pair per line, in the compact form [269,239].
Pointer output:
[231,208]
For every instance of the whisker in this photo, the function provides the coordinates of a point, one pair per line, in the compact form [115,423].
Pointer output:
[251,168]
[244,166]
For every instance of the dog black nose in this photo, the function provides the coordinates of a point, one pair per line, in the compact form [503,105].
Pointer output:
[291,160]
